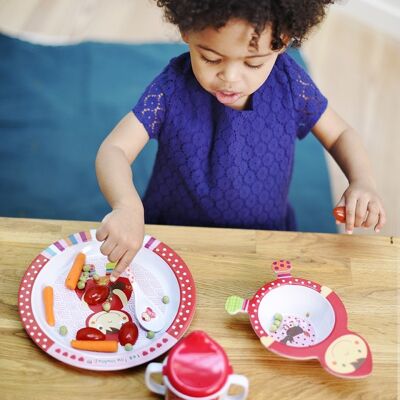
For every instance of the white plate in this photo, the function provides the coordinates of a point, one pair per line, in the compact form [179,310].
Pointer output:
[159,271]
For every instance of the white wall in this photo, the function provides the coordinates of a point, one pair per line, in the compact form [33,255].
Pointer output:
[383,15]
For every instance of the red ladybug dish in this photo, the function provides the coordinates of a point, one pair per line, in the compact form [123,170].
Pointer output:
[300,319]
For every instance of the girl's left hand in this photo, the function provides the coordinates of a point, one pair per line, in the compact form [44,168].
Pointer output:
[364,207]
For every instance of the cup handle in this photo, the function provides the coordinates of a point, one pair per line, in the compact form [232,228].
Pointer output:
[154,368]
[239,380]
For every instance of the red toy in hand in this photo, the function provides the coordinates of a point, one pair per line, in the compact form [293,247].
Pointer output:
[340,214]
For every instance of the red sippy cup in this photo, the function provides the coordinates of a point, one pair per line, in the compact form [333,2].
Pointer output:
[197,368]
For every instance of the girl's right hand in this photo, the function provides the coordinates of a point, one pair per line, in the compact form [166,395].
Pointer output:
[122,233]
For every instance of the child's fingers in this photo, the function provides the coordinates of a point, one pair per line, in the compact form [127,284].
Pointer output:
[350,214]
[101,233]
[341,202]
[122,265]
[117,253]
[107,247]
[361,212]
[381,222]
[373,215]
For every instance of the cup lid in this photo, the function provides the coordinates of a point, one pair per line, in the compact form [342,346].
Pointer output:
[197,366]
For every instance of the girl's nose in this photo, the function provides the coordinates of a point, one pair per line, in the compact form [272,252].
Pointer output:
[229,74]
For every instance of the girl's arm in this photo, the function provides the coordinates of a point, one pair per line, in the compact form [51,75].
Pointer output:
[122,230]
[363,204]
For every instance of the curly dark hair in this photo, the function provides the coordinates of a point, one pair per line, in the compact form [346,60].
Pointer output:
[293,18]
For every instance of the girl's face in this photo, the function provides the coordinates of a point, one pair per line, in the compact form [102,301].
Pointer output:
[226,65]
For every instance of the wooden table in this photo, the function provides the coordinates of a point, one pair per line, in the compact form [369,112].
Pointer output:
[363,270]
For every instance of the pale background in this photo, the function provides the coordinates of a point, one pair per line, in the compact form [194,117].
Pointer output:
[354,57]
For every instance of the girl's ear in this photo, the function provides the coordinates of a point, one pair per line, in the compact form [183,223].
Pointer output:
[287,40]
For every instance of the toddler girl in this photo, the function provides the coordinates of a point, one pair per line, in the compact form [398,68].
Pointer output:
[226,116]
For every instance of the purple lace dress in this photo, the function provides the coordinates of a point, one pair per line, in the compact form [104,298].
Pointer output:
[221,167]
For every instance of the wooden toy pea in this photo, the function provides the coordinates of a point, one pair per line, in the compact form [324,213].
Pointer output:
[150,335]
[273,328]
[81,285]
[63,330]
[278,316]
[165,299]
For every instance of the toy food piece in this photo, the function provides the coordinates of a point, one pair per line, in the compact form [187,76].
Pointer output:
[103,280]
[105,346]
[273,328]
[75,271]
[278,317]
[81,285]
[110,267]
[150,335]
[340,214]
[277,322]
[128,334]
[90,334]
[63,330]
[48,301]
[96,294]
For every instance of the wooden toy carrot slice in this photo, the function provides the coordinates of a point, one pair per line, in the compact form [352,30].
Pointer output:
[106,346]
[75,271]
[48,301]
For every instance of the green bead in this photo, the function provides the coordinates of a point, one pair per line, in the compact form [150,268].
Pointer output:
[86,274]
[106,306]
[150,335]
[128,347]
[96,277]
[165,299]
[86,268]
[63,330]
[81,285]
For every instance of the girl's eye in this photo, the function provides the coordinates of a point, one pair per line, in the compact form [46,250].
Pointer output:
[210,61]
[254,66]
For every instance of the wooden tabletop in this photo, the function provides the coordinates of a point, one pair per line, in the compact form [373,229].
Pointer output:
[362,270]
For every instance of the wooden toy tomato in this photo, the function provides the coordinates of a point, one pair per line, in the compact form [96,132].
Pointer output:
[96,294]
[128,334]
[340,214]
[90,334]
[300,319]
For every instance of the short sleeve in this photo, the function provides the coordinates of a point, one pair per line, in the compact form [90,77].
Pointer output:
[309,102]
[150,109]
